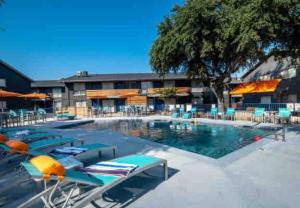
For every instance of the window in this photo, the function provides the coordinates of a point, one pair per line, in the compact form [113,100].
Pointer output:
[127,85]
[80,104]
[158,84]
[94,86]
[57,92]
[2,83]
[79,89]
[265,99]
[2,104]
[182,83]
[289,98]
[288,73]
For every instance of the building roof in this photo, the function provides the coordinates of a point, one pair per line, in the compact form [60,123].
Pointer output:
[14,70]
[47,83]
[122,77]
[269,67]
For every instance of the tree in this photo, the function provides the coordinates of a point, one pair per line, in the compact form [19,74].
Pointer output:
[212,39]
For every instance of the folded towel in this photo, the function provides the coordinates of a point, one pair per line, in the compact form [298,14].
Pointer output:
[69,150]
[111,168]
[22,133]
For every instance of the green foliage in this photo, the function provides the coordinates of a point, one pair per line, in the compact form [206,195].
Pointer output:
[167,92]
[211,39]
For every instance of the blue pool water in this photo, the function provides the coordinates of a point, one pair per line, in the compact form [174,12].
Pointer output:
[211,140]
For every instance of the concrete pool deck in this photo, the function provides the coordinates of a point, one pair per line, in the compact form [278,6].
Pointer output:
[264,174]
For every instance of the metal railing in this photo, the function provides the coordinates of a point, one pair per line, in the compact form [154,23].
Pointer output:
[266,106]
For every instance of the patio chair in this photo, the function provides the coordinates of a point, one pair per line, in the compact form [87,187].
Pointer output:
[284,114]
[13,118]
[230,113]
[213,113]
[186,115]
[32,137]
[258,113]
[174,115]
[194,112]
[41,114]
[88,176]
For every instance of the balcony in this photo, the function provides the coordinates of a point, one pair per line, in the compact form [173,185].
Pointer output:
[112,93]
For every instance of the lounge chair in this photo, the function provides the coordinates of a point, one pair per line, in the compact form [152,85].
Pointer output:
[16,148]
[259,113]
[65,116]
[230,113]
[15,129]
[36,136]
[101,181]
[81,150]
[213,113]
[174,115]
[181,111]
[284,114]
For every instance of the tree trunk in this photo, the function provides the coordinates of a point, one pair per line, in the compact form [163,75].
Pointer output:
[218,91]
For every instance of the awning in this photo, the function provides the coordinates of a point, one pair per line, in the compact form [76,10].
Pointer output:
[113,93]
[256,87]
[37,96]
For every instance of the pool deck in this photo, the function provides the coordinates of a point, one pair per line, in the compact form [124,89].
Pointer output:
[264,174]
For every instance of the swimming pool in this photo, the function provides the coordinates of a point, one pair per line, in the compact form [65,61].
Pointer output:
[210,140]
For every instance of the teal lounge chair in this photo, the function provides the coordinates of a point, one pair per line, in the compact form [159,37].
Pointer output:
[230,113]
[284,114]
[34,147]
[100,182]
[186,116]
[36,136]
[42,114]
[194,112]
[65,116]
[174,115]
[213,113]
[15,129]
[259,113]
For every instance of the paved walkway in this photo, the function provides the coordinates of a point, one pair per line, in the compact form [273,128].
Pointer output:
[265,174]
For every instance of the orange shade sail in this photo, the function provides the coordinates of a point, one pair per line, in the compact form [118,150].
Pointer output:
[256,87]
[39,96]
[6,94]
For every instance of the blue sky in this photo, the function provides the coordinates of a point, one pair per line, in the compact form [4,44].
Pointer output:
[50,39]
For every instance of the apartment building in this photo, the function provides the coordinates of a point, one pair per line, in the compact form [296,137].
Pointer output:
[271,81]
[114,91]
[13,80]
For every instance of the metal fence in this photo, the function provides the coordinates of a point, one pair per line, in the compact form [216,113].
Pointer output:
[266,106]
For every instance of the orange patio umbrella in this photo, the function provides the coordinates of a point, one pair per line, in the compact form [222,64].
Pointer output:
[6,94]
[35,97]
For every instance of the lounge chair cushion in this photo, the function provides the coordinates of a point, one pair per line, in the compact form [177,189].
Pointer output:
[48,166]
[3,139]
[17,146]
